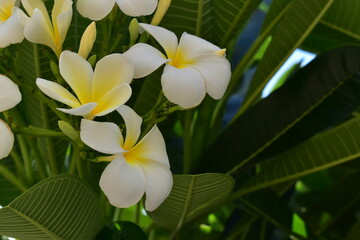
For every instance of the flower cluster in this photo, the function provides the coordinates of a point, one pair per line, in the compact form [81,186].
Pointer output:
[193,67]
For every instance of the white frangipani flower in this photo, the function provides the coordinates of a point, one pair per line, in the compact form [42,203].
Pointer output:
[10,96]
[97,10]
[11,30]
[137,167]
[40,29]
[193,68]
[98,92]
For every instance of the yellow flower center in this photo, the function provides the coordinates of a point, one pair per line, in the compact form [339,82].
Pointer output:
[179,60]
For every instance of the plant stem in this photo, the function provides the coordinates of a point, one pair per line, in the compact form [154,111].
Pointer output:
[187,139]
[38,132]
[26,157]
[137,213]
[18,163]
[12,178]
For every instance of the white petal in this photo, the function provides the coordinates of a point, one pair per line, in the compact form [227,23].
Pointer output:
[113,99]
[104,137]
[133,125]
[216,71]
[165,38]
[123,183]
[183,86]
[37,30]
[137,8]
[159,182]
[57,92]
[95,9]
[78,73]
[6,139]
[192,46]
[84,110]
[152,146]
[11,31]
[9,94]
[145,58]
[31,5]
[61,16]
[110,71]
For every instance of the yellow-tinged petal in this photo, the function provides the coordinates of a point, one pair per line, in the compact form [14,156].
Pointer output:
[164,37]
[37,30]
[104,137]
[111,71]
[84,110]
[87,40]
[161,10]
[78,73]
[10,95]
[31,5]
[61,19]
[95,9]
[159,182]
[152,146]
[216,71]
[11,30]
[57,92]
[133,126]
[145,58]
[113,99]
[191,46]
[184,87]
[123,183]
[6,139]
[137,8]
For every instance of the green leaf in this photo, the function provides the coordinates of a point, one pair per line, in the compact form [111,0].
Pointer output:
[229,17]
[215,20]
[329,149]
[354,233]
[300,19]
[318,96]
[122,230]
[191,196]
[338,27]
[61,207]
[269,206]
[331,202]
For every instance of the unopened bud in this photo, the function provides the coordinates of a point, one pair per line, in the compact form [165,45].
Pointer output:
[134,31]
[161,10]
[87,40]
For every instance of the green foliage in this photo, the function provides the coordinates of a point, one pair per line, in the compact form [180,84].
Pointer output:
[61,207]
[191,196]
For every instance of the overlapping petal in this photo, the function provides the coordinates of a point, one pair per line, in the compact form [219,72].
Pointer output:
[159,182]
[9,97]
[95,9]
[216,71]
[110,71]
[137,8]
[183,86]
[78,73]
[40,29]
[84,110]
[133,126]
[113,99]
[57,92]
[123,182]
[11,30]
[145,58]
[6,139]
[104,137]
[164,37]
[10,94]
